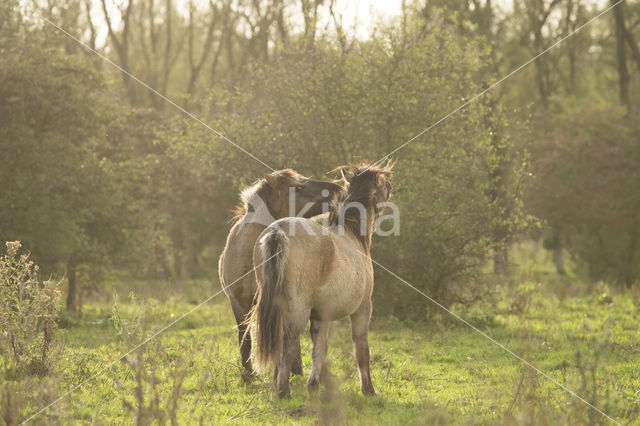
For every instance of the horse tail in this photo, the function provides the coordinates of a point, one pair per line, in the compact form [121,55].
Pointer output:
[270,314]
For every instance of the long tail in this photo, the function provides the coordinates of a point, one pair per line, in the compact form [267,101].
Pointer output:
[269,315]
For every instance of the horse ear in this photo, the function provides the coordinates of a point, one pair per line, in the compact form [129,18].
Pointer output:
[271,180]
[346,172]
[266,189]
[387,168]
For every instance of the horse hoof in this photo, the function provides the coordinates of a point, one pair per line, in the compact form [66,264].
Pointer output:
[284,394]
[368,391]
[247,376]
[313,386]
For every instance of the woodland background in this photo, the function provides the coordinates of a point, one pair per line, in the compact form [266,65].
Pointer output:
[101,176]
[520,212]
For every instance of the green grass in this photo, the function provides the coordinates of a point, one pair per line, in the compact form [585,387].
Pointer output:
[440,372]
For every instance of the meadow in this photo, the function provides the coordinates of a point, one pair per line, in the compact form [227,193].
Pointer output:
[437,371]
[128,128]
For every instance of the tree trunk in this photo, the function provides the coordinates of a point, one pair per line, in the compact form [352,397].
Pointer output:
[553,243]
[558,260]
[630,268]
[621,54]
[188,261]
[501,260]
[498,190]
[72,293]
[121,45]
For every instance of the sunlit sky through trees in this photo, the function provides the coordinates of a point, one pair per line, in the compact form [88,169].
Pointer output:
[358,17]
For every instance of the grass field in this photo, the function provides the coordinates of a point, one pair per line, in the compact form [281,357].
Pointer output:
[436,372]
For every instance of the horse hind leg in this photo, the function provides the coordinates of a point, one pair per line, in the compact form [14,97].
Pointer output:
[319,331]
[360,336]
[296,367]
[289,352]
[244,341]
[298,317]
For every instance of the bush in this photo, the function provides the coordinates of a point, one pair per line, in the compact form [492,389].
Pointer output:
[585,186]
[18,399]
[455,186]
[154,395]
[28,312]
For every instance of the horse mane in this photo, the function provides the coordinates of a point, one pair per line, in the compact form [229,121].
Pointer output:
[261,188]
[362,182]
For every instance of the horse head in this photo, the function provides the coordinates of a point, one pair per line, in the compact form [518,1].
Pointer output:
[286,193]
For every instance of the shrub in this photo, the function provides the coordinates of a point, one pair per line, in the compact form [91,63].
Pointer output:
[28,311]
[456,186]
[155,392]
[585,187]
[155,396]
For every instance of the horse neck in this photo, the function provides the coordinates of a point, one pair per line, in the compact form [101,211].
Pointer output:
[249,225]
[353,223]
[246,224]
[258,211]
[245,232]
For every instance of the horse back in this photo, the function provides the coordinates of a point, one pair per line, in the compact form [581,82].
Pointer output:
[323,270]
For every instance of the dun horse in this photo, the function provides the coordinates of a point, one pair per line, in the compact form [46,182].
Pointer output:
[265,201]
[319,274]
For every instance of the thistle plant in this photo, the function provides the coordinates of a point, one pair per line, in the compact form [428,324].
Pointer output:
[28,311]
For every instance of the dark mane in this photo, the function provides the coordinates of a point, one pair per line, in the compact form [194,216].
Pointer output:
[262,187]
[362,182]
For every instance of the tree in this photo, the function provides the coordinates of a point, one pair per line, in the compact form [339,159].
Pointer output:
[621,53]
[57,195]
[317,109]
[586,178]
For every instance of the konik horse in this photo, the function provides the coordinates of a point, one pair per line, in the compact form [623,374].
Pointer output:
[268,199]
[311,272]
